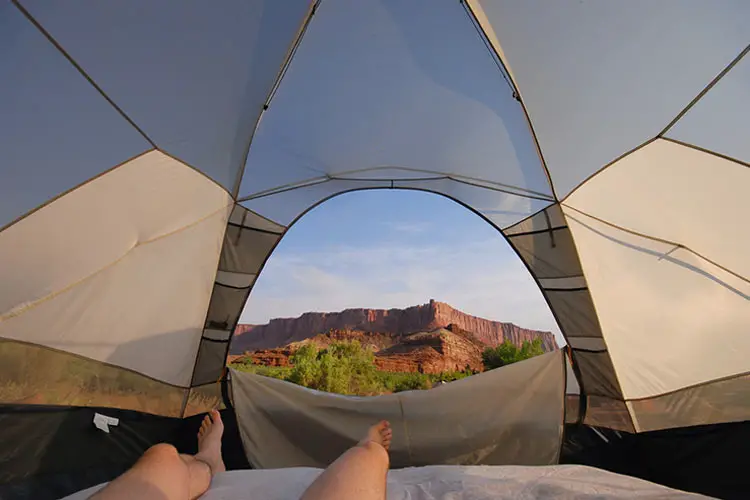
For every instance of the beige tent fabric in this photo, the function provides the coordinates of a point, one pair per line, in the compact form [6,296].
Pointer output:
[679,194]
[720,401]
[670,319]
[119,270]
[511,415]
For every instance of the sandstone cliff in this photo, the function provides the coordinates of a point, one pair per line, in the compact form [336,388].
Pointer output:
[422,318]
[438,351]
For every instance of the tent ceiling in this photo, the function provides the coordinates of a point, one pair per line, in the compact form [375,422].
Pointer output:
[141,192]
[600,78]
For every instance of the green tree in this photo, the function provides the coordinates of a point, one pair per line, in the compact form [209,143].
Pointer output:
[306,369]
[343,368]
[508,353]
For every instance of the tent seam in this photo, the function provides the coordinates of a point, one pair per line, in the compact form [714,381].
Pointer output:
[274,88]
[675,244]
[23,308]
[80,69]
[74,188]
[516,94]
[660,135]
[705,90]
[706,151]
[596,312]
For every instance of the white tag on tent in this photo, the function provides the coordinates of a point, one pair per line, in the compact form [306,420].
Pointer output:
[103,422]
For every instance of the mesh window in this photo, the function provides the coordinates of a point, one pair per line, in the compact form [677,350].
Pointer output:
[225,307]
[203,399]
[38,375]
[549,254]
[210,363]
[606,412]
[575,311]
[598,374]
[245,249]
[572,408]
[551,217]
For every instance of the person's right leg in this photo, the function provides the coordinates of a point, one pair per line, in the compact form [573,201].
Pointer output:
[358,474]
[163,474]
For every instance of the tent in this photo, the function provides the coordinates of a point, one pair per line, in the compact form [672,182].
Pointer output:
[153,154]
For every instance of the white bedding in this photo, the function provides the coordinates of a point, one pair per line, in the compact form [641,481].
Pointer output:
[447,483]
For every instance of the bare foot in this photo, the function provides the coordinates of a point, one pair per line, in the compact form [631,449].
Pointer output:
[209,442]
[380,433]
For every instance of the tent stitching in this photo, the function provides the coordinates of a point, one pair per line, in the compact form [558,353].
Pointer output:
[60,195]
[705,90]
[660,240]
[516,93]
[660,135]
[703,150]
[282,71]
[83,73]
[21,309]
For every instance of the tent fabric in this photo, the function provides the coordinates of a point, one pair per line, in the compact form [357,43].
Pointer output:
[145,180]
[53,451]
[605,78]
[510,415]
[700,459]
[98,274]
[665,289]
[192,77]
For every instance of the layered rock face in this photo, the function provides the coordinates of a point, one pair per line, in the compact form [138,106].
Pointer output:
[422,318]
[442,350]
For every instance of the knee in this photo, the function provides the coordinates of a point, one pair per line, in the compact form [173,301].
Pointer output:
[377,452]
[162,452]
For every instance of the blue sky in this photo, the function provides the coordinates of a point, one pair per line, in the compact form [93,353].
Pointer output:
[393,248]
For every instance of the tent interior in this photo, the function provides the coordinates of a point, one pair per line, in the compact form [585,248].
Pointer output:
[153,155]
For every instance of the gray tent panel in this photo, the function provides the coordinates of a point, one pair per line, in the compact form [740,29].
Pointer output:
[194,77]
[56,130]
[511,415]
[410,87]
[600,78]
[718,122]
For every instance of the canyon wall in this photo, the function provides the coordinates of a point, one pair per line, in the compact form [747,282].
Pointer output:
[422,318]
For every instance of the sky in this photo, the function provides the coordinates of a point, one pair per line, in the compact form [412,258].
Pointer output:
[395,248]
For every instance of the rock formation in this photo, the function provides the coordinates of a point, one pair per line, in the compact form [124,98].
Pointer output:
[442,350]
[438,351]
[422,318]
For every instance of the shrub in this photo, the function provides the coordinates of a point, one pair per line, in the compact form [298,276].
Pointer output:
[508,353]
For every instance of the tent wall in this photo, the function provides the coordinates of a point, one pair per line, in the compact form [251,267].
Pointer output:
[545,244]
[706,459]
[511,415]
[135,216]
[49,452]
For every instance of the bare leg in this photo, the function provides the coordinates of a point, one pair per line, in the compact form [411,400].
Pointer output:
[358,474]
[163,474]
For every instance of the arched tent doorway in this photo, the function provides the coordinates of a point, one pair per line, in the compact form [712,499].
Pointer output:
[628,153]
[387,254]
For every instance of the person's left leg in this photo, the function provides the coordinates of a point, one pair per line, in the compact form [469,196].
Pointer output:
[358,474]
[163,474]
